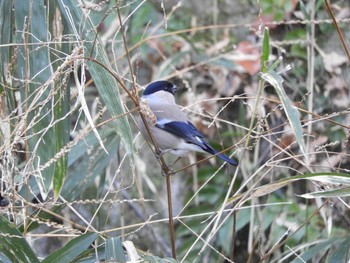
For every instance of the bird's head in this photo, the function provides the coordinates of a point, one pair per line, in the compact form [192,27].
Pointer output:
[160,92]
[159,86]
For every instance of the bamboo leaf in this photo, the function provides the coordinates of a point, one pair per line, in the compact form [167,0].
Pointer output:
[328,194]
[72,249]
[341,254]
[114,250]
[86,161]
[291,111]
[13,246]
[319,249]
[61,100]
[265,50]
[33,64]
[81,25]
[5,38]
[325,177]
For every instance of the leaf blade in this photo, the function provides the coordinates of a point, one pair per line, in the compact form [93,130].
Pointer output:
[291,111]
[114,250]
[105,83]
[72,249]
[13,246]
[34,69]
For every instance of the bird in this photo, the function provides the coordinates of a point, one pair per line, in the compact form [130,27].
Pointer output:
[169,125]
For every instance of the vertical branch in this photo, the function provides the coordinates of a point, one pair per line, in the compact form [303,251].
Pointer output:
[337,28]
[233,240]
[311,71]
[170,212]
[167,172]
[164,166]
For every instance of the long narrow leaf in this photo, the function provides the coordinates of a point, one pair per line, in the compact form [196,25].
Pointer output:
[291,111]
[61,100]
[72,249]
[325,177]
[114,250]
[265,53]
[317,250]
[341,253]
[87,161]
[13,246]
[328,194]
[107,86]
[33,64]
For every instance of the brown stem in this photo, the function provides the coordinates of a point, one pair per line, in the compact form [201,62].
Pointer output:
[170,211]
[338,29]
[134,97]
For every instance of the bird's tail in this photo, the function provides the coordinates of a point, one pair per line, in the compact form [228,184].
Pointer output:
[223,157]
[227,159]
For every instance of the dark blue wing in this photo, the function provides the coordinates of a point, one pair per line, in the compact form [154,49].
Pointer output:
[188,132]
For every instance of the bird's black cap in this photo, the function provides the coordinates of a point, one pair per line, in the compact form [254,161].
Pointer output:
[160,85]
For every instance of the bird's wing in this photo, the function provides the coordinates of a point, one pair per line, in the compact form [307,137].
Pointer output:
[186,131]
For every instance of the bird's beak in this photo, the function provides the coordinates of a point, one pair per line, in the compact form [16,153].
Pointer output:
[174,89]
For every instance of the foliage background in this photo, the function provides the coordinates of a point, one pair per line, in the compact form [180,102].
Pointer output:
[79,184]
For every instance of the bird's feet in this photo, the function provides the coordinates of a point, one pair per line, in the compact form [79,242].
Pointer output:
[168,171]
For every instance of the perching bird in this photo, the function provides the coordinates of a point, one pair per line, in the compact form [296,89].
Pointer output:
[170,126]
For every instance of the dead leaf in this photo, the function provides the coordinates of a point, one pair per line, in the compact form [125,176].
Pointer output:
[247,56]
[332,62]
[336,90]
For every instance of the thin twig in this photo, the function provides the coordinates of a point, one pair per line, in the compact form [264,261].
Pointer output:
[122,29]
[164,166]
[171,221]
[337,27]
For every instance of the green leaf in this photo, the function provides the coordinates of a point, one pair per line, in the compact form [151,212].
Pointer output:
[92,255]
[265,50]
[304,10]
[114,250]
[7,97]
[33,67]
[13,246]
[325,177]
[328,194]
[86,161]
[341,254]
[61,100]
[155,259]
[291,111]
[5,38]
[318,250]
[80,24]
[61,108]
[72,249]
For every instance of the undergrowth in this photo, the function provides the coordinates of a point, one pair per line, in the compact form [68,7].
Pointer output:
[265,81]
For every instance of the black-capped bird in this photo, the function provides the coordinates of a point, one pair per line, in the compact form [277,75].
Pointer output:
[171,129]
